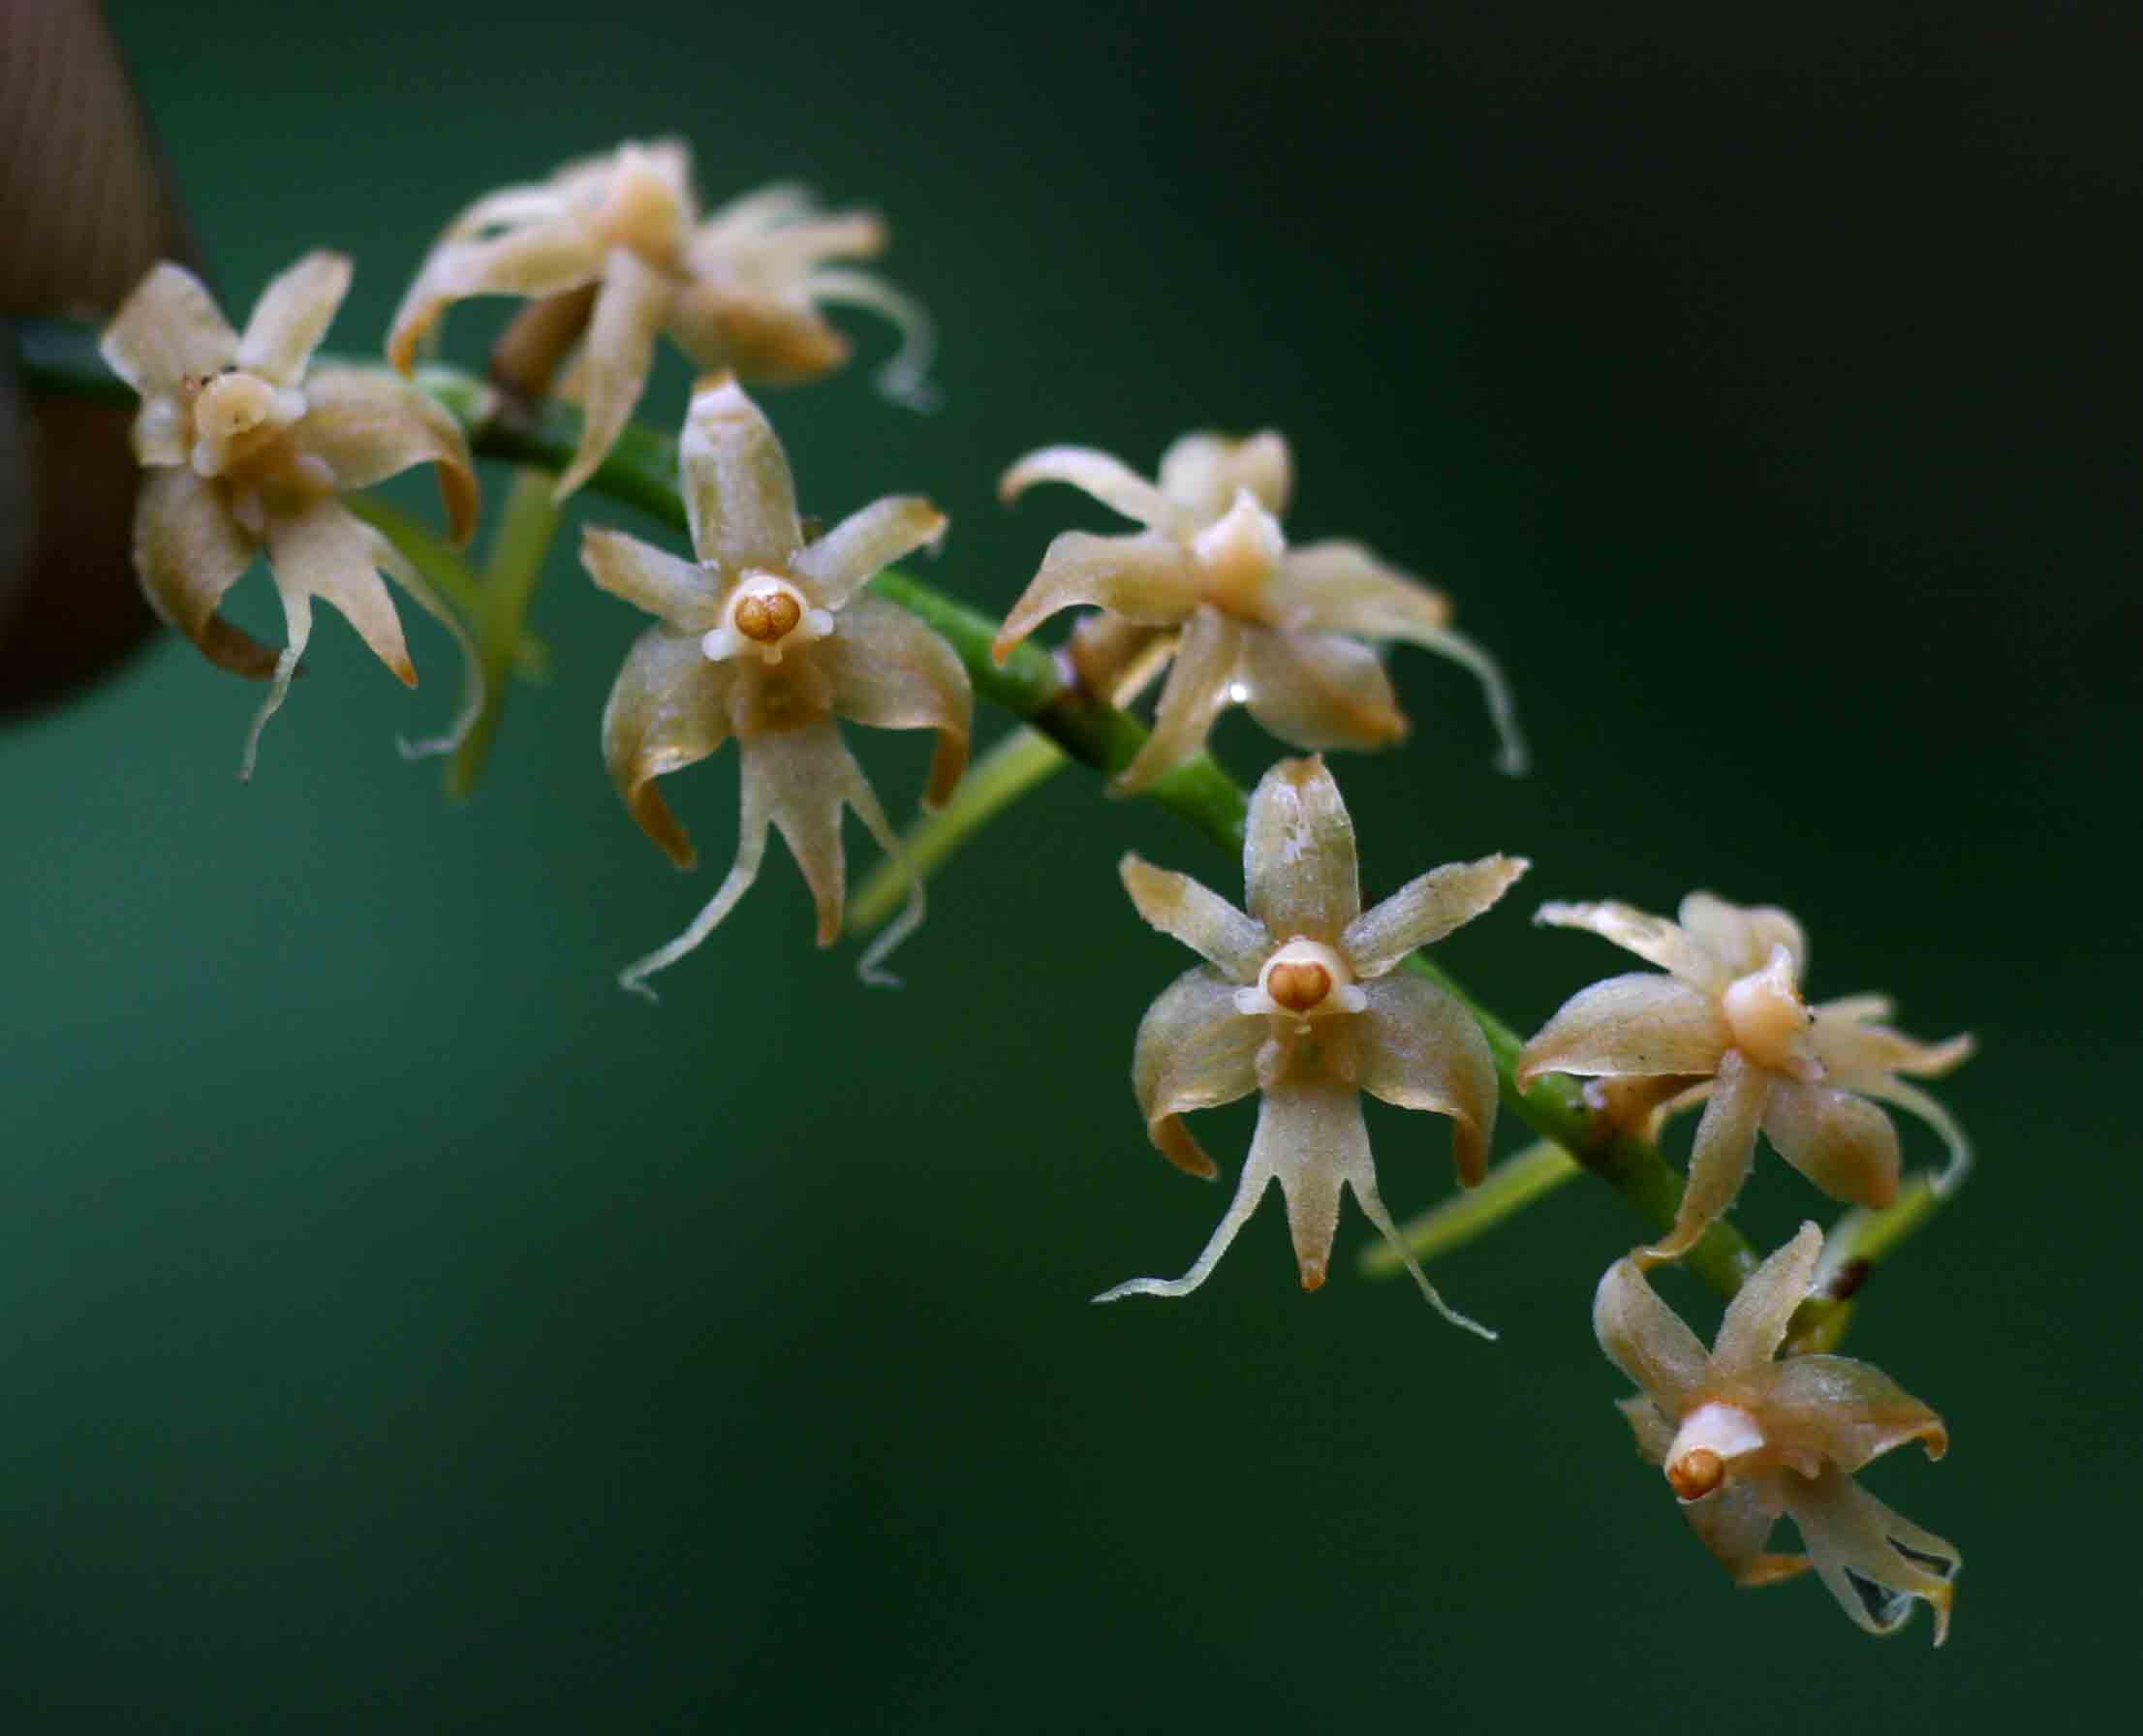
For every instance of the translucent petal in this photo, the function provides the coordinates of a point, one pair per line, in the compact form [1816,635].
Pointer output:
[1641,1023]
[508,208]
[682,593]
[1108,479]
[1201,919]
[390,560]
[751,851]
[630,309]
[1741,936]
[1646,1339]
[1298,853]
[668,710]
[751,214]
[1874,1561]
[189,551]
[1846,1146]
[781,341]
[1200,688]
[1653,939]
[1832,1408]
[808,775]
[292,316]
[891,671]
[1320,689]
[906,378]
[540,260]
[1734,1523]
[1193,1051]
[1425,909]
[1341,587]
[322,551]
[1916,1101]
[1417,1046]
[368,426]
[863,544]
[1655,1433]
[1201,473]
[1850,1051]
[1718,1164]
[738,490]
[1146,578]
[1756,1319]
[166,329]
[1248,1192]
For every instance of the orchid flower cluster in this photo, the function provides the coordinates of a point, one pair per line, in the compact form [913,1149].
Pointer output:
[768,631]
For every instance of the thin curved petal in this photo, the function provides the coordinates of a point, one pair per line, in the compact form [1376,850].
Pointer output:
[668,710]
[1653,939]
[629,311]
[368,426]
[1201,919]
[189,551]
[751,851]
[1342,587]
[1195,1051]
[1874,1561]
[1248,1192]
[1846,1146]
[1202,473]
[1320,689]
[540,260]
[1425,909]
[508,207]
[1734,1523]
[166,329]
[292,316]
[905,378]
[1916,1101]
[1818,1408]
[738,491]
[1852,1050]
[1299,870]
[323,552]
[1718,1164]
[1199,687]
[864,544]
[1741,936]
[1146,580]
[1417,1046]
[1756,1319]
[1641,1023]
[1646,1339]
[390,561]
[684,594]
[891,671]
[1108,479]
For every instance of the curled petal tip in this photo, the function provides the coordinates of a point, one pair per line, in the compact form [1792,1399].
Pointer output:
[1313,1275]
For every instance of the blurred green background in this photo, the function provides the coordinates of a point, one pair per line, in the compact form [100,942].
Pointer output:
[404,1327]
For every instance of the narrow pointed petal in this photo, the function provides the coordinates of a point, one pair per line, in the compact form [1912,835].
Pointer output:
[762,209]
[1195,1051]
[805,777]
[1311,1135]
[906,378]
[1916,1101]
[1846,1146]
[189,551]
[1653,939]
[1361,1176]
[298,624]
[629,311]
[889,671]
[683,594]
[738,491]
[1756,1319]
[1109,480]
[1201,919]
[1248,1192]
[292,316]
[1512,756]
[1833,1407]
[368,426]
[168,329]
[1641,1023]
[1741,938]
[322,551]
[1425,909]
[544,258]
[1199,687]
[1734,1523]
[863,544]
[390,561]
[1201,473]
[508,207]
[1342,587]
[751,851]
[1417,1046]
[1850,1051]
[1646,1339]
[1718,1164]
[668,710]
[1320,690]
[1147,580]
[1298,853]
[1874,1561]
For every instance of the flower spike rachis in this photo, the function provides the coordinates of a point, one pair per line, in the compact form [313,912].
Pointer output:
[1299,1002]
[1744,1439]
[766,638]
[1730,1012]
[1255,623]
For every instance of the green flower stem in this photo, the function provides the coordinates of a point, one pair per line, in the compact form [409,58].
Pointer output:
[1009,769]
[1508,1188]
[641,471]
[518,548]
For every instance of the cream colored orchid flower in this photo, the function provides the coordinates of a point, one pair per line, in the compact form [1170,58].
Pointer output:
[766,638]
[1257,623]
[1730,1012]
[248,450]
[611,249]
[1744,1439]
[1298,1001]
